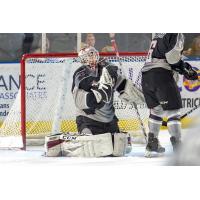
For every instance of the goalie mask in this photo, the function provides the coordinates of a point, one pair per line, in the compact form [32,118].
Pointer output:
[89,56]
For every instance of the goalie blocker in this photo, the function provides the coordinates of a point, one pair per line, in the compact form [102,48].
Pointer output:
[75,145]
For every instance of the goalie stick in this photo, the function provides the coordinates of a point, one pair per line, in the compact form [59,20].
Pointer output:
[114,45]
[164,123]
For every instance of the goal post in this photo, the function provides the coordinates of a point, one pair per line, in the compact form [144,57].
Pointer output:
[45,104]
[23,85]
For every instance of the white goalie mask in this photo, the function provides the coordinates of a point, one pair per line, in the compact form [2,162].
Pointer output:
[89,56]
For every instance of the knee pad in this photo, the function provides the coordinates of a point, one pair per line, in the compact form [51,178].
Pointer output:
[155,120]
[156,115]
[86,131]
[173,123]
[120,144]
[157,111]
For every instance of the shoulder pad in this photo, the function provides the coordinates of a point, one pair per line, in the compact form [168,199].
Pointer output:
[80,74]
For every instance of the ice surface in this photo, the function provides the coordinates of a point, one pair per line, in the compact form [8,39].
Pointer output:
[34,156]
[30,175]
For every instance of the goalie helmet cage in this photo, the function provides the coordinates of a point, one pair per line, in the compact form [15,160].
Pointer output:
[40,113]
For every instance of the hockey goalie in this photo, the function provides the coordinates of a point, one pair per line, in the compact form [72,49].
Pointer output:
[93,87]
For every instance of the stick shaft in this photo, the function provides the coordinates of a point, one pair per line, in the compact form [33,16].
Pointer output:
[114,45]
[164,123]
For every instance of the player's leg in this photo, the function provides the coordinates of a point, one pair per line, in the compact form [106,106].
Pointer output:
[154,123]
[92,127]
[121,141]
[170,99]
[112,127]
[174,128]
[86,125]
[156,113]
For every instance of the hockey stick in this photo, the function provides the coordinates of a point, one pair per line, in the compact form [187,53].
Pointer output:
[114,45]
[164,123]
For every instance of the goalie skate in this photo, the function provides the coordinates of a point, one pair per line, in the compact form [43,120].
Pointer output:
[153,147]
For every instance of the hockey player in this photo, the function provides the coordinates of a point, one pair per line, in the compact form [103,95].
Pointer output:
[94,97]
[94,84]
[160,89]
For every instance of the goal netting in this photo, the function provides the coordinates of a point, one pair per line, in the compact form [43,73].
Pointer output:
[44,104]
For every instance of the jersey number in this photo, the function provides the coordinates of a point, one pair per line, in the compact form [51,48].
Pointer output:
[152,46]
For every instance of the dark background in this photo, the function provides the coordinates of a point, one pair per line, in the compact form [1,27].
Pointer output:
[14,45]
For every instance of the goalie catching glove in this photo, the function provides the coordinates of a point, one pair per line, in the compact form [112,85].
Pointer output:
[186,70]
[129,93]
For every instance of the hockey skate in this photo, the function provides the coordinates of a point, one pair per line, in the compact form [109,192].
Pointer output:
[176,143]
[153,146]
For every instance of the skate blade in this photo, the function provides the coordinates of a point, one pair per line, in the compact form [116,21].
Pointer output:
[148,154]
[153,154]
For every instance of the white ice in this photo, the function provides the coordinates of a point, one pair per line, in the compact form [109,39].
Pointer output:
[34,156]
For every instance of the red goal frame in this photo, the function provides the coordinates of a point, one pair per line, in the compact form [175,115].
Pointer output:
[51,55]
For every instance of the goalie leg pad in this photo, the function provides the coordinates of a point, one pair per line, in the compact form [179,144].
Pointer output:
[120,144]
[52,146]
[88,146]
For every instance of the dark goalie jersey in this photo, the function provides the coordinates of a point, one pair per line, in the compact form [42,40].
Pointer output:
[165,51]
[83,80]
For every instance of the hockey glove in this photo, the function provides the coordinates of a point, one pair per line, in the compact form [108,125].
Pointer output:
[188,72]
[111,69]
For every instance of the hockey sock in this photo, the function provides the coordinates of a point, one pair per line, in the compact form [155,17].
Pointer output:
[154,124]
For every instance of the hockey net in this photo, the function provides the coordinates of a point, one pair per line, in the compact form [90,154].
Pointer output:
[44,104]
